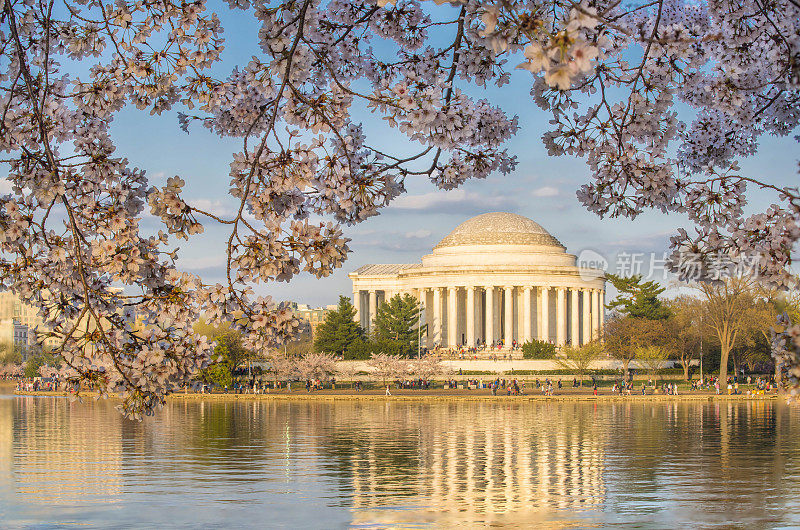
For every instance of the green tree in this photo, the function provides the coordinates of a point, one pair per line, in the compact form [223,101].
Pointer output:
[218,373]
[397,321]
[339,330]
[10,353]
[229,355]
[538,349]
[638,299]
[363,349]
[38,359]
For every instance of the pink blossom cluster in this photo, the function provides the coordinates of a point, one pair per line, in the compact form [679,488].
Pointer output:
[11,371]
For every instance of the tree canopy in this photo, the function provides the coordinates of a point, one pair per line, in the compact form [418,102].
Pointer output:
[398,321]
[339,331]
[229,356]
[579,359]
[638,299]
[623,335]
[683,331]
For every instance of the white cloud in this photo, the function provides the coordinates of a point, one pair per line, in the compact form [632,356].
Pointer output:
[655,242]
[545,191]
[418,234]
[204,262]
[213,207]
[158,177]
[457,201]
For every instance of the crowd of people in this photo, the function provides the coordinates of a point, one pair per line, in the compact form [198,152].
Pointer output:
[762,384]
[512,387]
[413,384]
[481,349]
[38,384]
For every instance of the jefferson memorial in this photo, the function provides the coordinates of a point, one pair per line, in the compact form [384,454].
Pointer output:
[496,277]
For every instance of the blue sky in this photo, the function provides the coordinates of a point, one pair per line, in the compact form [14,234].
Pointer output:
[542,188]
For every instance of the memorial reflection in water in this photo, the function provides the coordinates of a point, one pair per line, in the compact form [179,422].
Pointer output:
[337,464]
[511,464]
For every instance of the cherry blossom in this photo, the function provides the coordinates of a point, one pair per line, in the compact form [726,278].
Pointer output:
[610,74]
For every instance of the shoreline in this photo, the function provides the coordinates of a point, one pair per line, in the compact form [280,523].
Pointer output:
[411,396]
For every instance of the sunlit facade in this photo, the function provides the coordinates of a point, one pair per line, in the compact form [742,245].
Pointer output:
[496,277]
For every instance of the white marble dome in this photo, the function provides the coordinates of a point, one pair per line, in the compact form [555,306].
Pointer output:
[499,240]
[499,228]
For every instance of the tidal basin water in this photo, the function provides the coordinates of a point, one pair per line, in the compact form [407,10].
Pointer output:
[377,464]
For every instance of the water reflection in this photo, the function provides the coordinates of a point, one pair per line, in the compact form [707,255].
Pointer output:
[337,464]
[470,462]
[60,457]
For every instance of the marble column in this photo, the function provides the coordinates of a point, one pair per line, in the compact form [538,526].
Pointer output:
[602,311]
[489,337]
[470,316]
[544,314]
[419,294]
[480,328]
[508,331]
[595,314]
[498,314]
[574,319]
[561,321]
[587,317]
[373,309]
[357,306]
[526,314]
[452,320]
[436,317]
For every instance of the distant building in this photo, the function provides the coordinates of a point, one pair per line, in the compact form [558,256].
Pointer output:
[14,334]
[313,316]
[12,309]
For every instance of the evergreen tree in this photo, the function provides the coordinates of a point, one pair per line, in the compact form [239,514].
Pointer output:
[229,355]
[340,330]
[397,321]
[638,299]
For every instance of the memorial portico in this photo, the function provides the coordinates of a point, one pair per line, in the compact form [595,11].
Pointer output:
[496,277]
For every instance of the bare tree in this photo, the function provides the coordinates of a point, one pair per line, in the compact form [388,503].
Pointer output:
[725,312]
[623,335]
[652,358]
[579,359]
[682,331]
